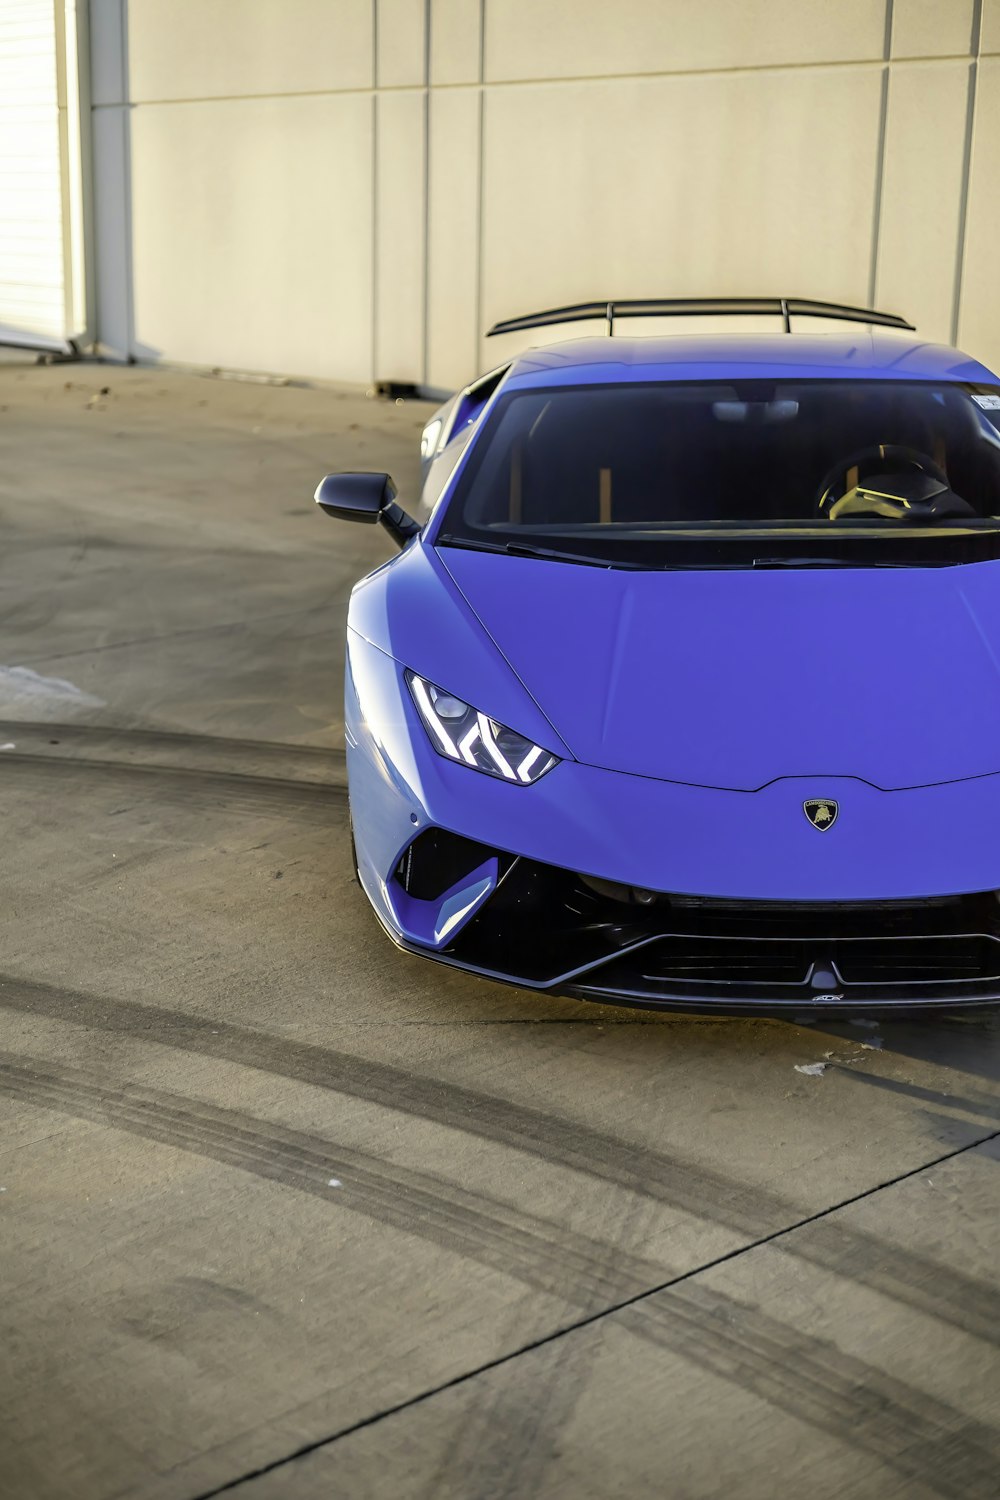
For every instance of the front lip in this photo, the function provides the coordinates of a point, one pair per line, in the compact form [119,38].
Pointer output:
[677,953]
[803,1003]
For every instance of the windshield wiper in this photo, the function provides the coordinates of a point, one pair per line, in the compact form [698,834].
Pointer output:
[525,549]
[820,562]
[554,554]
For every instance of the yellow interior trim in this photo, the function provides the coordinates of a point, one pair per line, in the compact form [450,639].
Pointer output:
[605,496]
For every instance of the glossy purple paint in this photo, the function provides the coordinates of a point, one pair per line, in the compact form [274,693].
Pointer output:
[412,609]
[693,713]
[870,354]
[734,679]
[433,924]
[659,834]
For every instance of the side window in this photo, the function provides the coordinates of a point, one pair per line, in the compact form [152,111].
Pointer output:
[474,398]
[440,472]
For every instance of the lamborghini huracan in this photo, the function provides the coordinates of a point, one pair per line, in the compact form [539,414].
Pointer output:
[684,687]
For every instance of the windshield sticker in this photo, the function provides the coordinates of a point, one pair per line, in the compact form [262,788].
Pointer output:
[988,403]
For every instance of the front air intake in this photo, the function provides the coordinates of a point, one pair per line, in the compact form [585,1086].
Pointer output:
[437,860]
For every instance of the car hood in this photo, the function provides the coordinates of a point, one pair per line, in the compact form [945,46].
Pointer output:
[733,679]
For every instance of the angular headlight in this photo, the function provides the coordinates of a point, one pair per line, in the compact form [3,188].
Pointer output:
[464,734]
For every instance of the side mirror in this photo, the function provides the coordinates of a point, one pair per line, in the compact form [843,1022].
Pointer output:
[366,497]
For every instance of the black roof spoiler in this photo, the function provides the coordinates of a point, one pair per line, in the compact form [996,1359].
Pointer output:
[784,307]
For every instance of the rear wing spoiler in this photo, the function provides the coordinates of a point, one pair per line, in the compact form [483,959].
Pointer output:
[784,307]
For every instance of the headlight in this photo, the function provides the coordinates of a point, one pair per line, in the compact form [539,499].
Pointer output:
[429,438]
[464,734]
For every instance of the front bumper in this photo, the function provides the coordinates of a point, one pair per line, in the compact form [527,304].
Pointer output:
[551,929]
[893,908]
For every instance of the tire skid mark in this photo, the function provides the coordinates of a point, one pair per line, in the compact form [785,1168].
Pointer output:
[916,1280]
[411,1201]
[511,1425]
[167,741]
[922,1438]
[810,1379]
[230,790]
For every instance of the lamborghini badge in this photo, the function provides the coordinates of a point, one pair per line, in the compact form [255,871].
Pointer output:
[821,812]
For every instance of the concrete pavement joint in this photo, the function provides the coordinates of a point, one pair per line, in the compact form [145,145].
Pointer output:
[592,1318]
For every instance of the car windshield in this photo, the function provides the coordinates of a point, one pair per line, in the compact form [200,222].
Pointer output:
[615,472]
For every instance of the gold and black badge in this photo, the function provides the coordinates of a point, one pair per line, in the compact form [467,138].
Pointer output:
[821,812]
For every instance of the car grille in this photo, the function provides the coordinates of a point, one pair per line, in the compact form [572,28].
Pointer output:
[867,953]
[864,961]
[551,927]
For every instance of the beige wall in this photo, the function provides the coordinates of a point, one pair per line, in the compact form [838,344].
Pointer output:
[356,189]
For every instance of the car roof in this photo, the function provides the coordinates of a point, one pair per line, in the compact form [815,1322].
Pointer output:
[868,355]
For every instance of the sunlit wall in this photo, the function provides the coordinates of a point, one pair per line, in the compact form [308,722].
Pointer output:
[356,189]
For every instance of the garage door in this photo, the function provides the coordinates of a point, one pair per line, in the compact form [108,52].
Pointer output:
[43,300]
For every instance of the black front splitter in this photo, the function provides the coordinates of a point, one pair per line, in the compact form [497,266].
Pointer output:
[803,1004]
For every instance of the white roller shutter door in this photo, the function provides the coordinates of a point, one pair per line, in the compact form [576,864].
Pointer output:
[43,300]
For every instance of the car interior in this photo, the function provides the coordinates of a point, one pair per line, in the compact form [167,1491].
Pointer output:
[750,452]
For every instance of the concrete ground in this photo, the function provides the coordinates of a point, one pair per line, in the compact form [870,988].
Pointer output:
[287,1214]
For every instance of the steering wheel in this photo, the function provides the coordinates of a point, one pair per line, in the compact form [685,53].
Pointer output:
[886,455]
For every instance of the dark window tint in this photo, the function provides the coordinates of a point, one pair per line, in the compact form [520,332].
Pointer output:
[607,462]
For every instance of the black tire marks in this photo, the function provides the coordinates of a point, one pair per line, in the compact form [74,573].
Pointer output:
[510,1424]
[166,747]
[917,1281]
[469,1224]
[230,791]
[810,1379]
[202,771]
[919,1437]
[505,1427]
[513,1418]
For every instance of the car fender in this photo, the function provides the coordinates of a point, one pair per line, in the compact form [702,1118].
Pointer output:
[412,610]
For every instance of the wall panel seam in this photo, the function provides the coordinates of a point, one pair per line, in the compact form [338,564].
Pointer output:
[130,340]
[970,128]
[880,150]
[480,192]
[374,227]
[425,269]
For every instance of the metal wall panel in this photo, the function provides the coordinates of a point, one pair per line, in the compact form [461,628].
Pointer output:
[919,241]
[355,190]
[252,234]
